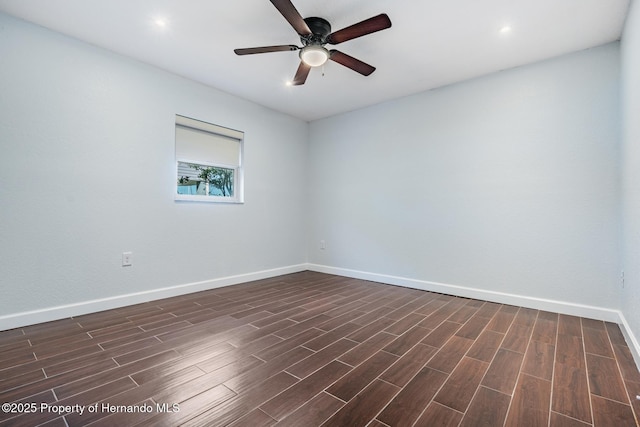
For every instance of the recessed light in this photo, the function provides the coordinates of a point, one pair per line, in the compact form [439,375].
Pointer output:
[288,83]
[505,29]
[160,22]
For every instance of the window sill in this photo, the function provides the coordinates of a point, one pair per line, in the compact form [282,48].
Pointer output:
[208,199]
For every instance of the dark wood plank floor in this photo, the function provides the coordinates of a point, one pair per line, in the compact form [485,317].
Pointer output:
[311,349]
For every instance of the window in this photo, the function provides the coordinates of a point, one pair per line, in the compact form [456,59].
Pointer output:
[209,162]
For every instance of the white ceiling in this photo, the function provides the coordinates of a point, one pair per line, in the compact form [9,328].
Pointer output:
[430,44]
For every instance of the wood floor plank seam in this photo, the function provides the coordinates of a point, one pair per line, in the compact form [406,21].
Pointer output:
[584,352]
[553,369]
[582,423]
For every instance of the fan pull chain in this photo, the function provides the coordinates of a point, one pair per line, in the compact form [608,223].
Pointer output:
[322,70]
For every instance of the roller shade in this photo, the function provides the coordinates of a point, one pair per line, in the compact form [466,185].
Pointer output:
[199,141]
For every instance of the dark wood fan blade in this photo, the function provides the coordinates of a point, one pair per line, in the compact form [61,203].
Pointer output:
[351,62]
[291,14]
[301,74]
[368,26]
[265,49]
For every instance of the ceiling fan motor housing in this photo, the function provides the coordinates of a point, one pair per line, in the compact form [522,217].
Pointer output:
[320,30]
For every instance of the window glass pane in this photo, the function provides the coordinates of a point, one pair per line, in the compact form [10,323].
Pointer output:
[205,180]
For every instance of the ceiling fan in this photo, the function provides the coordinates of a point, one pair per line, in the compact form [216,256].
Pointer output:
[314,34]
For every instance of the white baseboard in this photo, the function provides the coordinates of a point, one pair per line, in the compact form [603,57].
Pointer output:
[632,342]
[581,310]
[591,312]
[60,312]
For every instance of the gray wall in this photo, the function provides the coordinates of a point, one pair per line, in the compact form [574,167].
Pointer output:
[631,170]
[506,183]
[87,171]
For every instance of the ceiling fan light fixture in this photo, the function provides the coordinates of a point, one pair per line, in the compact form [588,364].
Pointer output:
[314,55]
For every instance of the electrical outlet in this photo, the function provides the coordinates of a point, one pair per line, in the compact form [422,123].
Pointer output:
[127,259]
[323,245]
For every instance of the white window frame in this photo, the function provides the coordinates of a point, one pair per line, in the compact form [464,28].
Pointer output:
[238,174]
